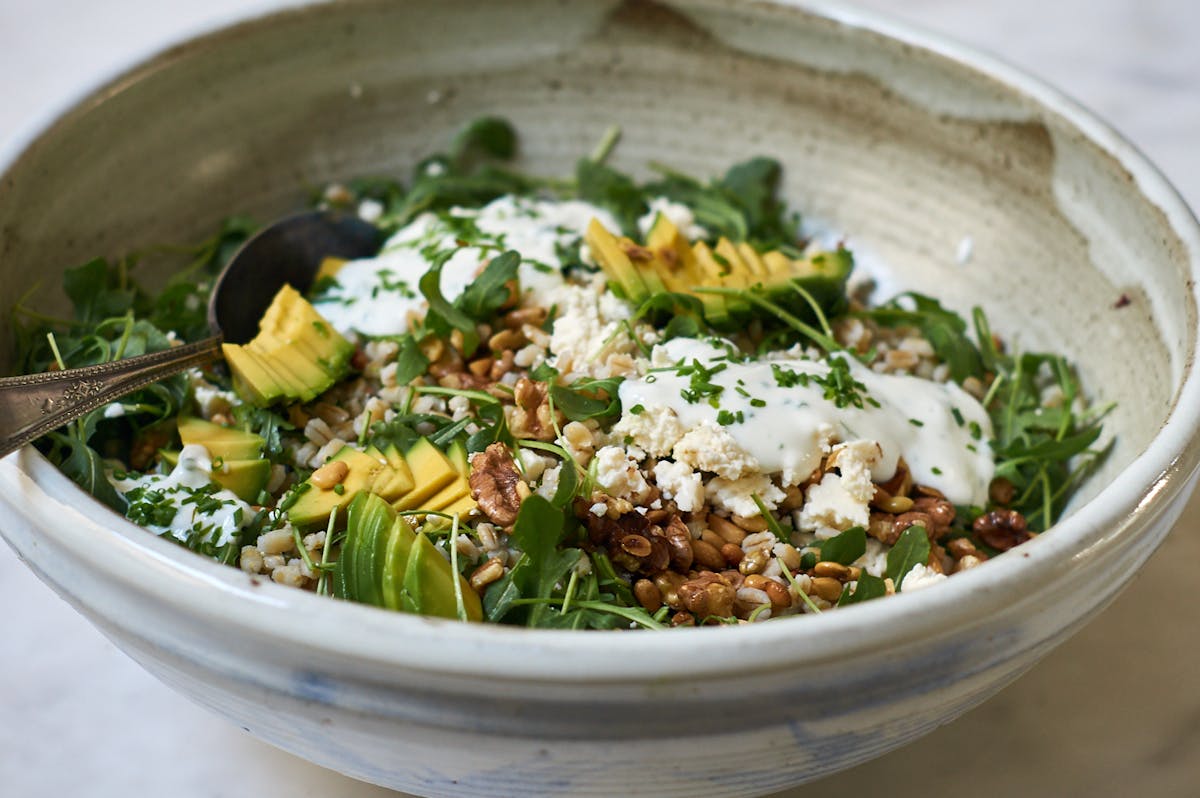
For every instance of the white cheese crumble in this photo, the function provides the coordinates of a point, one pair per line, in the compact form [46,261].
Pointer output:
[841,501]
[679,482]
[618,473]
[737,495]
[710,447]
[919,577]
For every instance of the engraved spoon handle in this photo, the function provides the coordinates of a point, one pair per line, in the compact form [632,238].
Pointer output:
[33,404]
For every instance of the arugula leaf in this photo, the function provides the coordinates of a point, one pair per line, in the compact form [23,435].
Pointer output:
[266,423]
[868,587]
[753,187]
[539,529]
[443,315]
[486,137]
[488,292]
[845,547]
[410,360]
[911,550]
[604,186]
[84,466]
[97,291]
[588,398]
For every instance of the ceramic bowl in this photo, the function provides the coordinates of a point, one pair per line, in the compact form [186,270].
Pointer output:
[964,177]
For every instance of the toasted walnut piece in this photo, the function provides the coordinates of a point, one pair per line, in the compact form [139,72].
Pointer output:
[1001,529]
[882,527]
[1002,491]
[494,479]
[531,418]
[962,547]
[940,511]
[913,518]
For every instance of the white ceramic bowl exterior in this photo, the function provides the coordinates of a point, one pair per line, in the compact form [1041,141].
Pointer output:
[909,144]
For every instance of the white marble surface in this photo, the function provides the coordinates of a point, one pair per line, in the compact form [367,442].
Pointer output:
[1115,711]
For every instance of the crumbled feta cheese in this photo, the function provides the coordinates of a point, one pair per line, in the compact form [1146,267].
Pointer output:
[619,475]
[737,495]
[921,576]
[584,334]
[841,500]
[549,485]
[533,464]
[679,482]
[709,447]
[656,429]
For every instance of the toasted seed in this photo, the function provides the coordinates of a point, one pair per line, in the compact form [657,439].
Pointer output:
[726,529]
[458,341]
[487,573]
[636,545]
[330,474]
[707,555]
[826,587]
[732,553]
[780,596]
[754,523]
[481,367]
[960,547]
[756,581]
[647,595]
[521,316]
[754,562]
[712,538]
[506,339]
[895,504]
[683,619]
[432,349]
[855,573]
[793,500]
[834,570]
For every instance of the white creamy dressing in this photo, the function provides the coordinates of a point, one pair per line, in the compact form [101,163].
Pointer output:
[375,295]
[193,471]
[793,427]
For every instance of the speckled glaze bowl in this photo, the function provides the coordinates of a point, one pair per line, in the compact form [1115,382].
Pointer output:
[967,178]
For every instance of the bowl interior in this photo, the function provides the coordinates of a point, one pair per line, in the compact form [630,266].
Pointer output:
[958,184]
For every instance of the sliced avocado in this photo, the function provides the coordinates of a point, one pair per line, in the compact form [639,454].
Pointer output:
[462,507]
[753,261]
[447,495]
[431,471]
[395,563]
[368,522]
[246,478]
[400,481]
[315,504]
[229,443]
[457,455]
[238,465]
[374,526]
[298,354]
[615,263]
[429,584]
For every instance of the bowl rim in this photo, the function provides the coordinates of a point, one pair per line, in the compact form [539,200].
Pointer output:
[404,643]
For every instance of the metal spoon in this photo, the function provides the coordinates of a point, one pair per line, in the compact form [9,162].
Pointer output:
[288,251]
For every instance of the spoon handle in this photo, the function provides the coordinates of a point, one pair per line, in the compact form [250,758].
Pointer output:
[33,404]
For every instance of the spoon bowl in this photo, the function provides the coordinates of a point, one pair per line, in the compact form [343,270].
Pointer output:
[288,251]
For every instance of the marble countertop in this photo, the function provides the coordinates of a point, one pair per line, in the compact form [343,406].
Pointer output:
[1114,711]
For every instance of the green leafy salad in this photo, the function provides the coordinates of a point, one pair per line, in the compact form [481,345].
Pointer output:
[591,403]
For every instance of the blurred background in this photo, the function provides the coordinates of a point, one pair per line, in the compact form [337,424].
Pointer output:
[1114,711]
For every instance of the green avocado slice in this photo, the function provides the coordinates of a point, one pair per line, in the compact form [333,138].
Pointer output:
[395,562]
